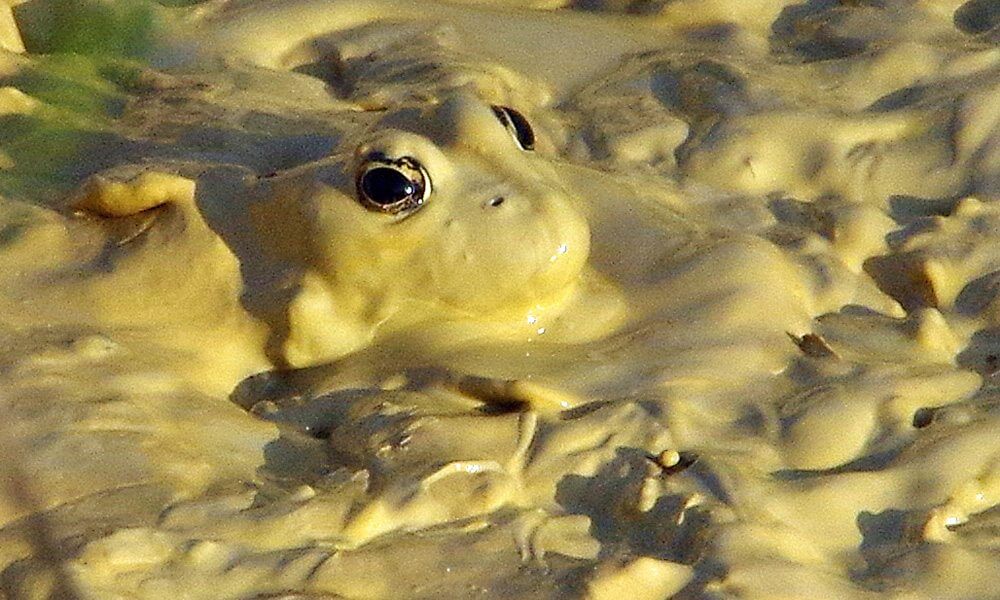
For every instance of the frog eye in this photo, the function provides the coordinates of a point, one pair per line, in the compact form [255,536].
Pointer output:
[517,125]
[392,186]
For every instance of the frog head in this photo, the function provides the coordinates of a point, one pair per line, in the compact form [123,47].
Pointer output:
[442,216]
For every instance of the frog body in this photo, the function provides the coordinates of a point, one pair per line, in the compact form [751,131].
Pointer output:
[496,246]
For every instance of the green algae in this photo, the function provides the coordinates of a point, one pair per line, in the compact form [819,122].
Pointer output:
[79,96]
[105,27]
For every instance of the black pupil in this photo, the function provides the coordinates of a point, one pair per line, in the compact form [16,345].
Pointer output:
[384,185]
[522,129]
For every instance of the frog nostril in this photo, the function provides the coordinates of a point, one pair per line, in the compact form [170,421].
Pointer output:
[496,201]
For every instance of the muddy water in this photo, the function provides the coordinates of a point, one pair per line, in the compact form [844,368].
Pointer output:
[377,299]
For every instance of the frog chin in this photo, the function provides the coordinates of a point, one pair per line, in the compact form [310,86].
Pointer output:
[323,325]
[320,330]
[586,309]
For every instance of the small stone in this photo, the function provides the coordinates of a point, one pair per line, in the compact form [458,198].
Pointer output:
[672,461]
[813,346]
[668,458]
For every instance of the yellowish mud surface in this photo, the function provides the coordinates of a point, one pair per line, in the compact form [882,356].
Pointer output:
[375,299]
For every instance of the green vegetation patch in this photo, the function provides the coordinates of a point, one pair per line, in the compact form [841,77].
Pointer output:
[85,59]
[80,96]
[108,27]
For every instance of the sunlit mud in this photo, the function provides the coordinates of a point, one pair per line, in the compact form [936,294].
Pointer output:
[385,299]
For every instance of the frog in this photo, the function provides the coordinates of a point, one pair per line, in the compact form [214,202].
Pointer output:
[433,226]
[446,218]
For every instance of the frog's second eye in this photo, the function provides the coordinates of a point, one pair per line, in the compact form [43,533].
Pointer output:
[517,125]
[392,186]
